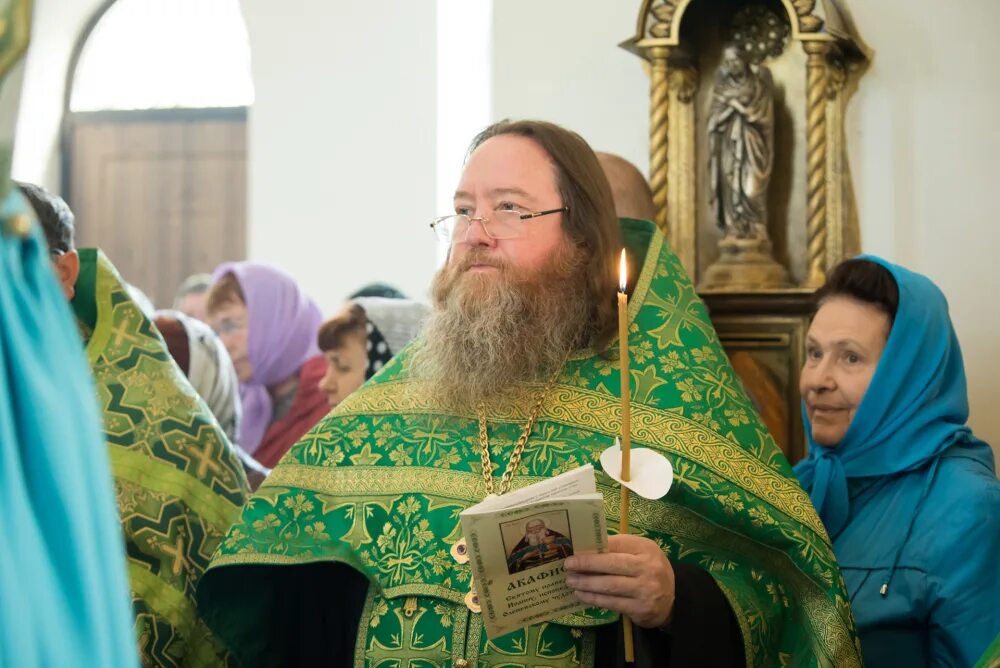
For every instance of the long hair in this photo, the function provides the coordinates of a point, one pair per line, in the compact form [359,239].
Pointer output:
[865,281]
[591,224]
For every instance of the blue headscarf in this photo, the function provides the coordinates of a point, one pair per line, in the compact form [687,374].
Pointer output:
[64,597]
[914,409]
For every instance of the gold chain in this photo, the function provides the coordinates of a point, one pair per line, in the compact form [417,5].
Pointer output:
[515,457]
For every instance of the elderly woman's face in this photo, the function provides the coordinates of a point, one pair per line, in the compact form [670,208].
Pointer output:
[843,347]
[231,322]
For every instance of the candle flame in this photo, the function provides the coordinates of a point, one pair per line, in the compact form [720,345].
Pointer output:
[622,273]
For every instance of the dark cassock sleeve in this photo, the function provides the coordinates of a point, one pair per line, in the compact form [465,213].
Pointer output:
[702,632]
[316,609]
[313,612]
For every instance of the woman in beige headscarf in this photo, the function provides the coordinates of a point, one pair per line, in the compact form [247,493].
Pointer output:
[203,359]
[200,354]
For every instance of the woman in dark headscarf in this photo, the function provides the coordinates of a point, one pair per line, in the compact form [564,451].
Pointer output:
[362,338]
[908,494]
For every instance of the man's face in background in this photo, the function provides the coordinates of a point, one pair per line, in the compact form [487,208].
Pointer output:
[193,304]
[67,267]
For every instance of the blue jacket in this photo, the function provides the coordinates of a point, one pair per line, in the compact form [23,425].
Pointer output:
[942,607]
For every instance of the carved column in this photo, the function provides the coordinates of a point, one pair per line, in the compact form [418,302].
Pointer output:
[816,101]
[682,206]
[836,216]
[659,122]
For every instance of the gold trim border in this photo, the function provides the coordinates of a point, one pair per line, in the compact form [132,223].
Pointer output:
[152,474]
[661,429]
[104,282]
[645,279]
[163,599]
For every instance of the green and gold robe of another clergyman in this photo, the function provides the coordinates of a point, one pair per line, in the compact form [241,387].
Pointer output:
[379,484]
[178,480]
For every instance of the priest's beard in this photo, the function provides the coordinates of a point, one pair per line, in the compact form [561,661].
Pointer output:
[491,331]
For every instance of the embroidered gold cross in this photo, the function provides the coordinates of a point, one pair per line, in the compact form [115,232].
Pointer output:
[356,511]
[205,461]
[121,333]
[530,654]
[408,650]
[177,552]
[678,314]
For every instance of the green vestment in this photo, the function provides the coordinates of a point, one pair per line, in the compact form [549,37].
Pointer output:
[379,484]
[179,482]
[991,659]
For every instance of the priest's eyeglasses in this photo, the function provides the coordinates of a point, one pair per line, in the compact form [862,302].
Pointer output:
[503,223]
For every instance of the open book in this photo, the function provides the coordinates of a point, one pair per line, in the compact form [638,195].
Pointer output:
[517,544]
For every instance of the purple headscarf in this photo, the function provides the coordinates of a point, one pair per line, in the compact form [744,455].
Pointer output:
[281,336]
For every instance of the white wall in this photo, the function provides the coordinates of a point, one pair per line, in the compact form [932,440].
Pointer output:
[925,149]
[56,25]
[341,142]
[558,60]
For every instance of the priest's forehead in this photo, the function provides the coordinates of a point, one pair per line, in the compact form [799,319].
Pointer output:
[510,167]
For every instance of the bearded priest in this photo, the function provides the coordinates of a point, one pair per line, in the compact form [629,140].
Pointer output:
[349,554]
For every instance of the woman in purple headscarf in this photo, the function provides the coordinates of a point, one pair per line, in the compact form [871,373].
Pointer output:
[268,325]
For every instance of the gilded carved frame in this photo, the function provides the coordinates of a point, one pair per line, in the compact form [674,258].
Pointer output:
[835,58]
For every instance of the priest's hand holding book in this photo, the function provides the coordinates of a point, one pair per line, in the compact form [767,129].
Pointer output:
[542,552]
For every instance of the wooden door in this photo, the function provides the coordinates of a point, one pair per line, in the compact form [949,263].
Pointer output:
[162,193]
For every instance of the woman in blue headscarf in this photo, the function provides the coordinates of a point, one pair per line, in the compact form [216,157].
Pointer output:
[908,495]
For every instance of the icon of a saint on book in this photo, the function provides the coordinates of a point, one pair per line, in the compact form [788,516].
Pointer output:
[541,540]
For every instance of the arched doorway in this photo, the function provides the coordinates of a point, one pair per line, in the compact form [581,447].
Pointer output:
[154,143]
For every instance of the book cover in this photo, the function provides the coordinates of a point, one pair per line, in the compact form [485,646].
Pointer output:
[518,543]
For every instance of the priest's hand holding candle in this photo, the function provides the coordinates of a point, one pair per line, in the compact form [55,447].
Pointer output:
[634,577]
